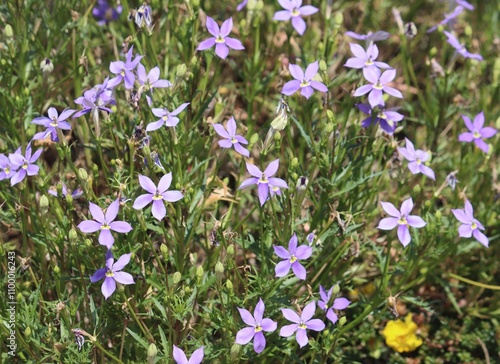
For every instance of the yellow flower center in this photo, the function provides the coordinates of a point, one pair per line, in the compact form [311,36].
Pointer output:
[234,141]
[53,122]
[295,12]
[293,259]
[257,328]
[369,61]
[473,226]
[6,170]
[105,227]
[304,83]
[110,273]
[263,179]
[382,115]
[378,86]
[25,165]
[476,135]
[419,162]
[220,39]
[157,196]
[402,221]
[302,325]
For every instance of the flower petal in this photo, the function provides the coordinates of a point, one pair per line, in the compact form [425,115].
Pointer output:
[120,226]
[108,287]
[147,184]
[299,270]
[404,235]
[245,335]
[124,278]
[106,239]
[308,311]
[247,317]
[143,200]
[288,330]
[179,355]
[89,226]
[96,212]
[301,337]
[415,221]
[282,268]
[164,183]
[159,210]
[390,209]
[112,211]
[406,206]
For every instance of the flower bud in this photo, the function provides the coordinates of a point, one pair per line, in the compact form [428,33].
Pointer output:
[277,137]
[188,290]
[417,189]
[57,271]
[8,32]
[69,199]
[82,174]
[180,70]
[164,251]
[336,290]
[44,202]
[72,235]
[230,250]
[279,123]
[302,183]
[46,66]
[229,286]
[27,332]
[199,271]
[235,352]
[427,203]
[219,267]
[254,139]
[152,351]
[338,19]
[342,321]
[295,162]
[322,65]
[88,243]
[330,116]
[176,278]
[439,215]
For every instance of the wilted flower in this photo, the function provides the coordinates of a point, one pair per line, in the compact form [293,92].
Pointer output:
[77,193]
[340,303]
[220,38]
[105,223]
[231,139]
[378,85]
[291,258]
[301,323]
[451,179]
[112,273]
[181,358]
[364,58]
[460,48]
[23,164]
[401,219]
[52,123]
[295,11]
[477,132]
[303,81]
[166,117]
[400,335]
[264,180]
[157,195]
[104,13]
[470,226]
[257,324]
[143,17]
[416,159]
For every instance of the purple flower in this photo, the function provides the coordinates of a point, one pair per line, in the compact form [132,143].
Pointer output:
[447,18]
[364,58]
[340,303]
[460,48]
[301,323]
[416,159]
[6,168]
[64,191]
[123,70]
[180,357]
[378,84]
[231,139]
[94,100]
[465,4]
[23,164]
[220,38]
[264,180]
[104,13]
[241,5]
[157,195]
[401,219]
[52,123]
[105,223]
[166,117]
[476,132]
[370,37]
[295,11]
[387,118]
[291,258]
[256,325]
[151,80]
[112,274]
[470,226]
[303,82]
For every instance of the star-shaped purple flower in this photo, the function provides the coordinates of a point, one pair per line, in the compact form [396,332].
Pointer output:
[387,118]
[477,132]
[257,324]
[52,123]
[291,257]
[340,303]
[104,13]
[220,38]
[364,58]
[303,81]
[401,219]
[123,70]
[378,85]
[157,195]
[231,139]
[181,358]
[166,117]
[417,158]
[6,168]
[151,80]
[105,223]
[295,11]
[301,323]
[460,48]
[470,226]
[112,273]
[264,180]
[23,164]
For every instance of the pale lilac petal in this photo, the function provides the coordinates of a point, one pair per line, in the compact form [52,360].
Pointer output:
[341,303]
[406,206]
[65,114]
[468,123]
[179,109]
[390,209]
[301,337]
[212,27]
[393,92]
[269,325]
[245,335]
[372,74]
[112,211]
[259,343]
[311,70]
[89,226]
[96,212]
[231,127]
[277,182]
[307,91]
[179,356]
[247,317]
[124,278]
[141,201]
[292,244]
[315,325]
[299,270]
[308,311]
[106,239]
[318,86]
[108,287]
[42,120]
[354,63]
[234,43]
[479,121]
[155,125]
[241,150]
[465,231]
[147,184]
[225,143]
[253,170]
[428,172]
[387,76]
[461,216]
[241,139]
[404,235]
[226,27]
[165,182]
[414,167]
[296,72]
[206,44]
[172,121]
[248,182]
[487,132]
[290,87]
[415,221]
[281,252]
[468,209]
[466,137]
[120,226]
[159,210]
[172,196]
[221,50]
[197,356]
[303,252]
[299,24]
[18,177]
[363,90]
[291,315]
[219,129]
[263,192]
[480,237]
[332,316]
[482,145]
[288,330]
[375,97]
[98,275]
[272,168]
[282,15]
[282,268]
[308,10]
[323,294]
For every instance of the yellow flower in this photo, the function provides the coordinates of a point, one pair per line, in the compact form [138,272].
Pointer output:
[400,335]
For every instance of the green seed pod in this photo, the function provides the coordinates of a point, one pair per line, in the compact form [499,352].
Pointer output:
[164,251]
[27,332]
[330,116]
[57,271]
[88,243]
[44,202]
[322,65]
[230,250]
[82,174]
[254,139]
[72,235]
[152,352]
[342,321]
[219,268]
[229,286]
[336,290]
[295,162]
[199,271]
[417,189]
[338,19]
[176,278]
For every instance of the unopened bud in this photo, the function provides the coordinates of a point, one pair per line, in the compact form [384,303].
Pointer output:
[88,243]
[342,321]
[57,271]
[46,66]
[330,116]
[164,250]
[180,70]
[322,65]
[230,250]
[336,290]
[302,183]
[44,202]
[72,235]
[229,285]
[295,162]
[235,352]
[219,268]
[439,215]
[152,351]
[254,139]
[82,174]
[176,278]
[8,32]
[199,271]
[27,332]
[279,123]
[417,189]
